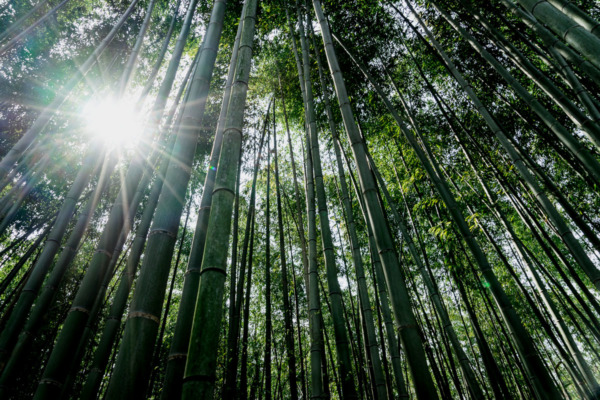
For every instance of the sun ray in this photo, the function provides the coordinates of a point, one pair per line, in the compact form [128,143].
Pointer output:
[115,122]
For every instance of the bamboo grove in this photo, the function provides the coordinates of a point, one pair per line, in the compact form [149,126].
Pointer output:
[293,199]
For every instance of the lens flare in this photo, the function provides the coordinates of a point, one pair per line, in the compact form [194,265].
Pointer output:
[115,122]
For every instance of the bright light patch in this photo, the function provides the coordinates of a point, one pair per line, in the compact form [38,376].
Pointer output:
[115,122]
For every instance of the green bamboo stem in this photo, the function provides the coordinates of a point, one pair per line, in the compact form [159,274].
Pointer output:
[590,163]
[577,15]
[377,376]
[142,323]
[287,310]
[379,279]
[55,371]
[589,126]
[113,321]
[318,368]
[46,299]
[570,31]
[51,247]
[555,46]
[404,317]
[201,362]
[179,344]
[335,294]
[537,191]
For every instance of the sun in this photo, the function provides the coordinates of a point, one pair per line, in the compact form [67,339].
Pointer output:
[116,122]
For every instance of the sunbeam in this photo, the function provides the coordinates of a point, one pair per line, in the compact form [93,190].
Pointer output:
[114,122]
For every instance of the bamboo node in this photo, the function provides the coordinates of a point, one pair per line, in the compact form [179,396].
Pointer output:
[216,269]
[163,231]
[406,326]
[192,271]
[102,251]
[47,381]
[141,314]
[225,189]
[535,5]
[569,30]
[176,356]
[81,309]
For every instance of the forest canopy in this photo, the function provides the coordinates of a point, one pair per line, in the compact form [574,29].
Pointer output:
[293,199]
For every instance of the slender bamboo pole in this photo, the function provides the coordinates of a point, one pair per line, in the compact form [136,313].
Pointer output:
[201,362]
[141,327]
[287,310]
[179,344]
[404,317]
[335,294]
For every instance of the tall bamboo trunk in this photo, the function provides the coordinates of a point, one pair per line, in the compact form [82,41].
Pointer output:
[570,31]
[201,362]
[113,321]
[440,308]
[575,146]
[335,294]
[268,306]
[543,382]
[232,346]
[233,328]
[46,299]
[242,392]
[376,370]
[179,344]
[296,285]
[51,246]
[549,208]
[379,284]
[157,350]
[285,290]
[55,371]
[589,126]
[141,327]
[405,319]
[556,47]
